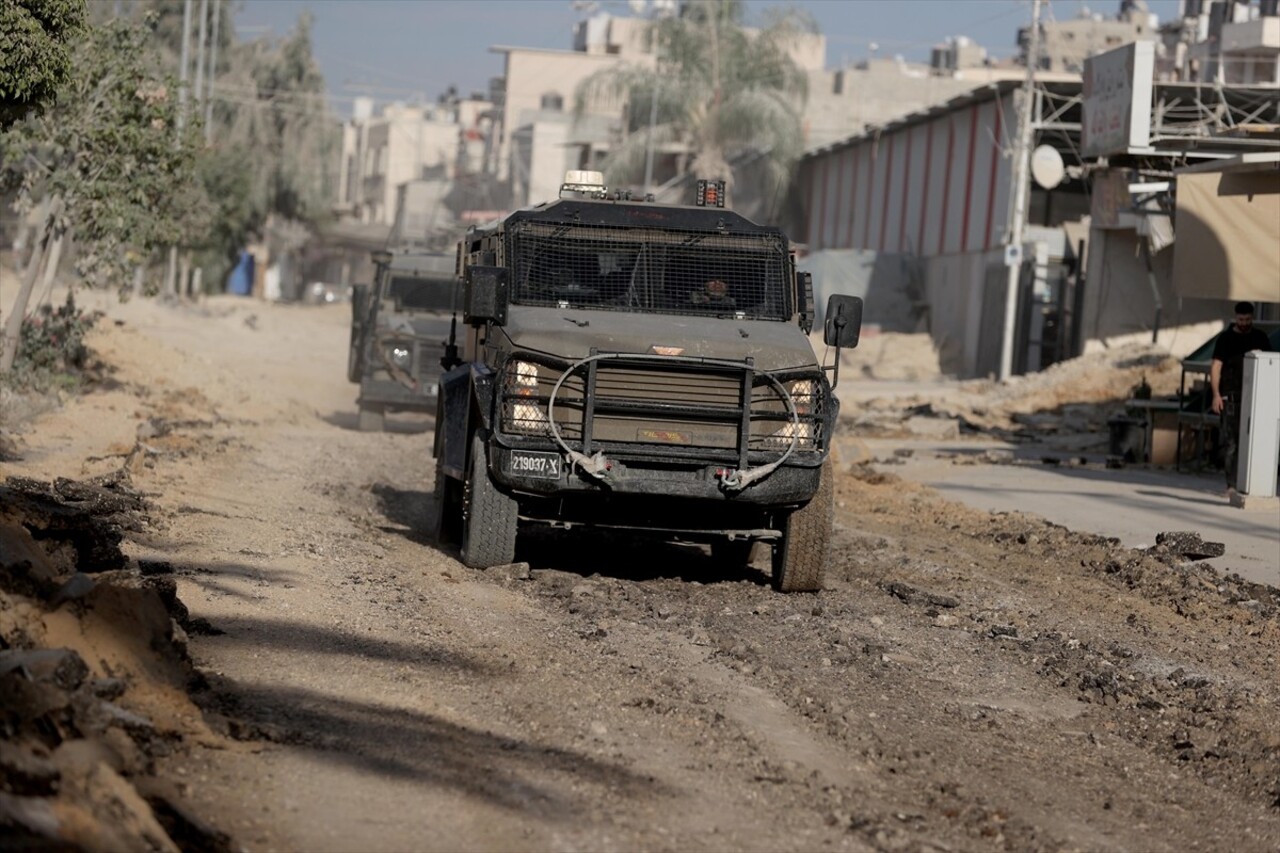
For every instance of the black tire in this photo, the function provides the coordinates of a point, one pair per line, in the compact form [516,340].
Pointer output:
[446,521]
[355,358]
[371,420]
[800,556]
[489,517]
[355,350]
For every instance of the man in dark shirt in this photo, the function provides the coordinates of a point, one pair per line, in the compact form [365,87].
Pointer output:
[1226,379]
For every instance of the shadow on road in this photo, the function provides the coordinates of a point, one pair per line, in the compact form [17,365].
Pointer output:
[257,633]
[626,555]
[400,424]
[236,580]
[408,510]
[512,773]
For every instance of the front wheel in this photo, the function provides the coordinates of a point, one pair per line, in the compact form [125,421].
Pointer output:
[800,556]
[446,519]
[489,516]
[355,357]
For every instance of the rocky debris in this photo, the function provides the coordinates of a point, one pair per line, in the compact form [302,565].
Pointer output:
[1066,406]
[931,427]
[92,673]
[81,523]
[10,450]
[911,595]
[62,668]
[1188,544]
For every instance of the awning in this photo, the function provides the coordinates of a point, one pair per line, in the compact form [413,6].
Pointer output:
[1228,235]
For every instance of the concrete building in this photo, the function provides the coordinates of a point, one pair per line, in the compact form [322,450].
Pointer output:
[539,137]
[1064,45]
[914,215]
[1222,41]
[406,143]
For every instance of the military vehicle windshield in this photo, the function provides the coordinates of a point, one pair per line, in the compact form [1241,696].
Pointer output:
[650,271]
[422,294]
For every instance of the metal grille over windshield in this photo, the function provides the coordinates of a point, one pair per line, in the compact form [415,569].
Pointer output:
[648,271]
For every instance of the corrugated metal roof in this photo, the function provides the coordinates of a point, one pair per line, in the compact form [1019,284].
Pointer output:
[979,94]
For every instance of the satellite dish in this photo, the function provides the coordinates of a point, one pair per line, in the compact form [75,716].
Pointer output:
[1047,167]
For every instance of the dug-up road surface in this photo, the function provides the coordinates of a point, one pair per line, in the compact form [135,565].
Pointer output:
[967,681]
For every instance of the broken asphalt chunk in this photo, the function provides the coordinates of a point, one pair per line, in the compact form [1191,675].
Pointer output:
[911,595]
[1188,544]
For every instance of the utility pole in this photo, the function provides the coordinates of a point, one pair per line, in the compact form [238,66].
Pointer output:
[203,32]
[648,149]
[213,71]
[170,280]
[1021,170]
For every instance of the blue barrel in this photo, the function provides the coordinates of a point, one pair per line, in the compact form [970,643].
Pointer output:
[240,280]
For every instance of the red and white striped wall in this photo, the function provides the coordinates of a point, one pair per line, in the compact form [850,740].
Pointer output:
[932,184]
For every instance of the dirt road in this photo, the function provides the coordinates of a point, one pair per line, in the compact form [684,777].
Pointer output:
[966,682]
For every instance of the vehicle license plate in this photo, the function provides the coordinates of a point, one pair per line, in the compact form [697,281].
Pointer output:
[528,463]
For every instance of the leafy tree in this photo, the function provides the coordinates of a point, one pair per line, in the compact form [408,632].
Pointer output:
[36,41]
[720,90]
[105,166]
[273,140]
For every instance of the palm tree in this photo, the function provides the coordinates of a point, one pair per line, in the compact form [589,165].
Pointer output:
[717,91]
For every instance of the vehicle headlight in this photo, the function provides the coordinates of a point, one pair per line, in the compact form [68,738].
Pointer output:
[524,378]
[522,413]
[803,395]
[801,432]
[400,355]
[527,417]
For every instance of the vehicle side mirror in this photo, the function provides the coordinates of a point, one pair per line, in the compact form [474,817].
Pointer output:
[485,295]
[844,321]
[359,298]
[805,282]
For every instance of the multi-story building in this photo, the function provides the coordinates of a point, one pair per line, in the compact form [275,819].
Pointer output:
[1222,41]
[405,144]
[1065,45]
[917,213]
[540,134]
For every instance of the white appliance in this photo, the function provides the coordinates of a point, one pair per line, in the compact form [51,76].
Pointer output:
[1259,424]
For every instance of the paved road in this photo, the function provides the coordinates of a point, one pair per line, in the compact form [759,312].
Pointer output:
[1132,503]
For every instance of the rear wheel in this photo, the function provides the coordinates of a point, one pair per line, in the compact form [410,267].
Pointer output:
[371,420]
[355,361]
[800,556]
[488,516]
[355,351]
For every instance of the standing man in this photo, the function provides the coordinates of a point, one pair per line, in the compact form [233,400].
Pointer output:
[1226,378]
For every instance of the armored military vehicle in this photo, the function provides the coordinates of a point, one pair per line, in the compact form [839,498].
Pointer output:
[399,327]
[640,366]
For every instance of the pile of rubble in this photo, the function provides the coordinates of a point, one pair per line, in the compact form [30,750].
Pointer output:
[93,674]
[1067,404]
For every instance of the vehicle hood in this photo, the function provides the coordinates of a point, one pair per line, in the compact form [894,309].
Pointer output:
[571,333]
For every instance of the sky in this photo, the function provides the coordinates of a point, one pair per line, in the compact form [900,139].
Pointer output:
[415,49]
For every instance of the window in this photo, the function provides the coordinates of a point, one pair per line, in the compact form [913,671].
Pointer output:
[650,272]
